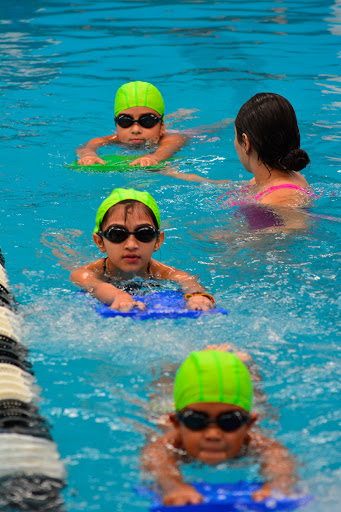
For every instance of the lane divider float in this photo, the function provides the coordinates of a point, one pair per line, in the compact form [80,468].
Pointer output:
[32,474]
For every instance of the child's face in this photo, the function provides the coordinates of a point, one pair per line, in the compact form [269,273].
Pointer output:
[213,445]
[136,134]
[131,255]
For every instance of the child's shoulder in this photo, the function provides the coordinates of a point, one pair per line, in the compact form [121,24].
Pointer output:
[171,440]
[162,271]
[97,267]
[88,273]
[257,442]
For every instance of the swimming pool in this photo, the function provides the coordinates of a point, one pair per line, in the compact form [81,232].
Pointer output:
[62,64]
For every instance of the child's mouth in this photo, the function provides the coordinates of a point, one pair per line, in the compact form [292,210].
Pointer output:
[132,259]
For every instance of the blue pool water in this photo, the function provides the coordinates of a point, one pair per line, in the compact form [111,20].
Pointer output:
[62,63]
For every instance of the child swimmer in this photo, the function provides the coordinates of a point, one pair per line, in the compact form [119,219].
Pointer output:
[212,423]
[128,231]
[139,111]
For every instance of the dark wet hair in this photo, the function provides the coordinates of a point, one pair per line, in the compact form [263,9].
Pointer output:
[130,205]
[270,123]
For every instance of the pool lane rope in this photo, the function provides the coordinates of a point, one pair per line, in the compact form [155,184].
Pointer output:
[31,471]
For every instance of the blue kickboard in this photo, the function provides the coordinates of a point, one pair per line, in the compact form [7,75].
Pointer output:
[235,497]
[161,304]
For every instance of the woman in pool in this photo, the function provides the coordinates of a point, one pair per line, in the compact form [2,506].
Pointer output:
[267,141]
[128,231]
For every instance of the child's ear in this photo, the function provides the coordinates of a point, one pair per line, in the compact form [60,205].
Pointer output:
[159,241]
[173,419]
[162,129]
[99,242]
[253,419]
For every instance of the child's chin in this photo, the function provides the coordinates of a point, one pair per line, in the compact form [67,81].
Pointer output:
[131,269]
[212,458]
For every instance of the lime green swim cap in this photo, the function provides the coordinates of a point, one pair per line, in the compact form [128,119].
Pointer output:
[213,376]
[121,194]
[139,94]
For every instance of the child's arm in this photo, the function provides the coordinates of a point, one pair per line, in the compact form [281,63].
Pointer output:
[277,466]
[161,458]
[88,152]
[88,278]
[188,284]
[168,146]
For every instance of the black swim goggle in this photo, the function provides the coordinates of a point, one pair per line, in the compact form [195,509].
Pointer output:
[117,234]
[227,421]
[145,120]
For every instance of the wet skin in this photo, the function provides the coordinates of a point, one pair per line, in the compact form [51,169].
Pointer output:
[213,445]
[136,134]
[130,257]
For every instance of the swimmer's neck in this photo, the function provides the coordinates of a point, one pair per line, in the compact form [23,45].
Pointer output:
[121,275]
[263,175]
[146,144]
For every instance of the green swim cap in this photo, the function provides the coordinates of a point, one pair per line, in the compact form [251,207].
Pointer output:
[121,194]
[139,94]
[213,376]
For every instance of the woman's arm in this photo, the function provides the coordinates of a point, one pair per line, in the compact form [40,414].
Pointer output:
[194,178]
[88,152]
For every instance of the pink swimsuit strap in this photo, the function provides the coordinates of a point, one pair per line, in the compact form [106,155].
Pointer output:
[285,185]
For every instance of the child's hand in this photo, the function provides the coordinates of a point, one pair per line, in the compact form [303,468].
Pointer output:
[199,303]
[283,485]
[184,494]
[90,160]
[145,160]
[125,302]
[262,493]
[226,347]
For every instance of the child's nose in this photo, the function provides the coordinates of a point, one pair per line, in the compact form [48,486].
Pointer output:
[131,242]
[136,128]
[213,432]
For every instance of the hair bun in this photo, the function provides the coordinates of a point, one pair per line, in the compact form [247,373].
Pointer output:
[296,160]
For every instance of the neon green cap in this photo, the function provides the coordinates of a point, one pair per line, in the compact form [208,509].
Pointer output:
[139,94]
[213,376]
[121,194]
